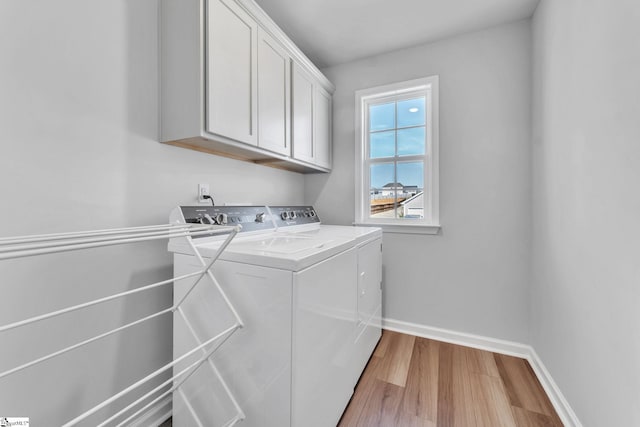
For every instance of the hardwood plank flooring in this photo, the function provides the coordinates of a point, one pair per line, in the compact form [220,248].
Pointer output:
[417,382]
[421,397]
[394,366]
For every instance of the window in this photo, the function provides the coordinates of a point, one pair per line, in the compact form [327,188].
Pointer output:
[397,156]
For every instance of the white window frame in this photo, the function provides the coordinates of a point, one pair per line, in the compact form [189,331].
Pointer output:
[430,224]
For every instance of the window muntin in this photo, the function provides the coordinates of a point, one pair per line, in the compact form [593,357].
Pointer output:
[397,170]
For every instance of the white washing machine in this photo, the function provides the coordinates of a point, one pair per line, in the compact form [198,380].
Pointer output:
[309,296]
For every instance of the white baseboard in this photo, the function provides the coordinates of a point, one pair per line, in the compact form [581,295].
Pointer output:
[564,410]
[524,351]
[468,340]
[156,415]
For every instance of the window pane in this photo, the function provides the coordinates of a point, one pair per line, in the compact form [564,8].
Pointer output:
[411,198]
[411,174]
[411,112]
[411,141]
[382,116]
[381,174]
[382,191]
[382,144]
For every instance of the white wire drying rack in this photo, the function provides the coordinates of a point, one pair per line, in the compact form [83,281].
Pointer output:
[29,246]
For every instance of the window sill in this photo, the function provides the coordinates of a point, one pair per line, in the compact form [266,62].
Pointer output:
[403,228]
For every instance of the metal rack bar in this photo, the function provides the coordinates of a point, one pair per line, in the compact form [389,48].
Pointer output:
[215,282]
[233,421]
[207,270]
[25,246]
[48,248]
[105,232]
[94,302]
[146,379]
[190,407]
[85,342]
[184,375]
[239,411]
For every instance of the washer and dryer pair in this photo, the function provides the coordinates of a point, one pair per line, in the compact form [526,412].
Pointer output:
[309,296]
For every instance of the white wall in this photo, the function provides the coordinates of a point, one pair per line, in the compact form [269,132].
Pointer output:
[79,150]
[586,238]
[474,277]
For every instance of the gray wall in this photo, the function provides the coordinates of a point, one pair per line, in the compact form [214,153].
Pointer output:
[586,238]
[78,151]
[474,277]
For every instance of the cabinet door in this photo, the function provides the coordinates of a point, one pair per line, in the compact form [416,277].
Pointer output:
[273,95]
[231,79]
[302,92]
[322,128]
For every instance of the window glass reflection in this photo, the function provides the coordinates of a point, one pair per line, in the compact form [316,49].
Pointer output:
[382,116]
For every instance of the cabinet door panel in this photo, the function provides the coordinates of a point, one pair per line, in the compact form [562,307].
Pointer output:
[322,128]
[231,76]
[302,114]
[273,95]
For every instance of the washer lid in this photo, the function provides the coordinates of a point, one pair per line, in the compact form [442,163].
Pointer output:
[286,252]
[279,244]
[357,234]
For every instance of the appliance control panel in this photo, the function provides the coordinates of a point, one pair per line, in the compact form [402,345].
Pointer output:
[285,216]
[251,218]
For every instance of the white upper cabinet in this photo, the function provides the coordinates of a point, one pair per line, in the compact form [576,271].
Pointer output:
[311,118]
[322,127]
[229,87]
[232,36]
[302,114]
[274,101]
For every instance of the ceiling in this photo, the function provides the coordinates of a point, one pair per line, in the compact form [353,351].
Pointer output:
[332,32]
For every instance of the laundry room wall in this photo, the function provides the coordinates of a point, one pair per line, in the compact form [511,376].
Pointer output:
[473,277]
[79,150]
[586,227]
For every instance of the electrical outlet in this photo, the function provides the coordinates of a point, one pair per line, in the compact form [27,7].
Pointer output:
[203,190]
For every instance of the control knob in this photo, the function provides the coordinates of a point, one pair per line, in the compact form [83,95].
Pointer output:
[221,219]
[284,215]
[260,217]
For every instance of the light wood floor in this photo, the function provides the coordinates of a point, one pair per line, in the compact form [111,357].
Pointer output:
[416,382]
